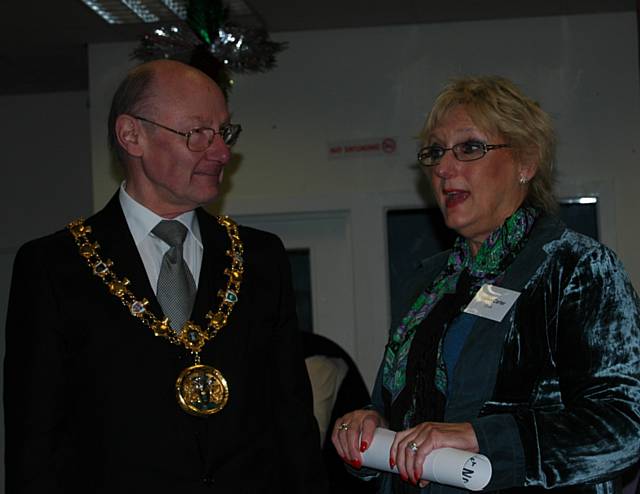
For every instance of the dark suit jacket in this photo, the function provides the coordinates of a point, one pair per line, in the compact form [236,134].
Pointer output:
[89,390]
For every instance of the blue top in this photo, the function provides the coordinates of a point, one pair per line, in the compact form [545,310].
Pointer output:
[453,342]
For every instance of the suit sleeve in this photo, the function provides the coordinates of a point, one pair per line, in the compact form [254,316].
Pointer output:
[34,387]
[296,425]
[595,434]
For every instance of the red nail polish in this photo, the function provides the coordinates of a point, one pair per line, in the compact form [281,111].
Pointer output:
[392,463]
[356,463]
[363,446]
[404,477]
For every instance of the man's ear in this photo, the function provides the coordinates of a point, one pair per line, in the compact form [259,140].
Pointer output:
[128,134]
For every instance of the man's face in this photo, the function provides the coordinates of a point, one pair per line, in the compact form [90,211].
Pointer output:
[169,178]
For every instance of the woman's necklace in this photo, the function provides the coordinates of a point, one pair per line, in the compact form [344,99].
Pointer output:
[201,390]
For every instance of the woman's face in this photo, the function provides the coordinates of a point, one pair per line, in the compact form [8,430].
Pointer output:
[475,197]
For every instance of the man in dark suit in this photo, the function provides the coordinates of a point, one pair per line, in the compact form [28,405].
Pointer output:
[106,389]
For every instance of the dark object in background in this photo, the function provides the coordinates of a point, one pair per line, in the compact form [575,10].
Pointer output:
[353,394]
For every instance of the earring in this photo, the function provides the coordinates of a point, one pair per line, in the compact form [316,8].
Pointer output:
[523,180]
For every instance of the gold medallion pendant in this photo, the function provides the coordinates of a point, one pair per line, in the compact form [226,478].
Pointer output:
[202,390]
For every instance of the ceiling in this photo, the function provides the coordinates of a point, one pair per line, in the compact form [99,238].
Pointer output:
[43,42]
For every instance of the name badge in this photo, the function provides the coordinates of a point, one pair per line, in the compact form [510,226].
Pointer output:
[492,302]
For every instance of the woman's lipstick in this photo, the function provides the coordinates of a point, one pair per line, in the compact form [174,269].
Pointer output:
[454,197]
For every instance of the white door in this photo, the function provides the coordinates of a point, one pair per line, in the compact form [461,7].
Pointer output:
[327,237]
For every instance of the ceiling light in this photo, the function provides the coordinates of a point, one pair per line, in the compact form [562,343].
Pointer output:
[139,11]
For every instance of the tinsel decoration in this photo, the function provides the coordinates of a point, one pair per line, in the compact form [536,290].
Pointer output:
[209,42]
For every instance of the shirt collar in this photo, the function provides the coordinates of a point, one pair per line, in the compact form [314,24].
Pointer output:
[142,220]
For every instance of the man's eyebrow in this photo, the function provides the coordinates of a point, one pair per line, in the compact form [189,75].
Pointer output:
[200,122]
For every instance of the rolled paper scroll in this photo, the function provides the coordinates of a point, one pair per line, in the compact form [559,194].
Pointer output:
[449,466]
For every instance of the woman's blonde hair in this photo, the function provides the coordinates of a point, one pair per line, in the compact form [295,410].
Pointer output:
[496,105]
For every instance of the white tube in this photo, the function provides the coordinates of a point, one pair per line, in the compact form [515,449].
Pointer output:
[447,466]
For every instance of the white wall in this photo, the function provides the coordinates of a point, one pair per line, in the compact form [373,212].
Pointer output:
[46,173]
[369,83]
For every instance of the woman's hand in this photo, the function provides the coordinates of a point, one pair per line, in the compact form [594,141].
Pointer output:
[411,447]
[347,430]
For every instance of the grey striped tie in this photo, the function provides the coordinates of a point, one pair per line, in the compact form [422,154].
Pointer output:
[176,288]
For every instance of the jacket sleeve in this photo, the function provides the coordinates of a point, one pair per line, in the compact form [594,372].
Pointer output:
[590,431]
[34,388]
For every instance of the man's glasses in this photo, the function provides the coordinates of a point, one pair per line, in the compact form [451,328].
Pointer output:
[463,151]
[201,138]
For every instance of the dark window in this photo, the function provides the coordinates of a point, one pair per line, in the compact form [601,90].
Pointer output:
[301,274]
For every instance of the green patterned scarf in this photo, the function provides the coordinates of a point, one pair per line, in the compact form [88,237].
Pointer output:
[493,257]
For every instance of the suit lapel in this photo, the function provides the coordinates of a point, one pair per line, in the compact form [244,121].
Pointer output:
[214,261]
[483,347]
[111,230]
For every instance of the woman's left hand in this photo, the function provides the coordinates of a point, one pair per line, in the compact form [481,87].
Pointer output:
[427,437]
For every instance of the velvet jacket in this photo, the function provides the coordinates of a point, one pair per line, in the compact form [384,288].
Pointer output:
[90,403]
[552,391]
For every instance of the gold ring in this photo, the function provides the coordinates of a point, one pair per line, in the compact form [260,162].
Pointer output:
[343,427]
[413,447]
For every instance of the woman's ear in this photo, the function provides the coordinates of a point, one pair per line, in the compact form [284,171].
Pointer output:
[528,169]
[128,134]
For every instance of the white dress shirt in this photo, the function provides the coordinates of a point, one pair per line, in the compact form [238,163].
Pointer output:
[142,220]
